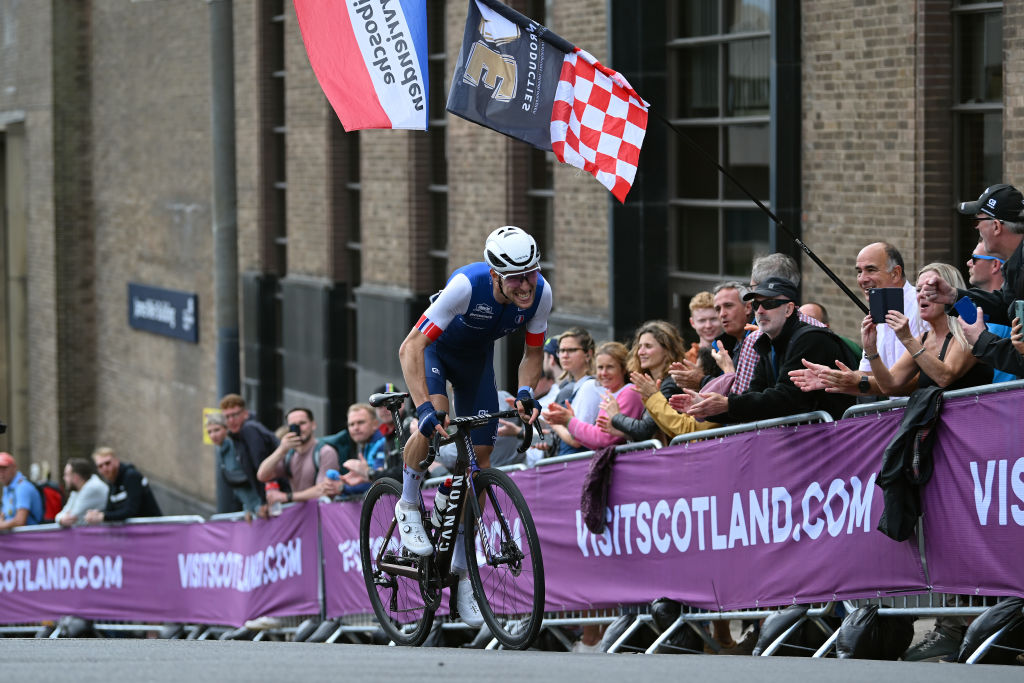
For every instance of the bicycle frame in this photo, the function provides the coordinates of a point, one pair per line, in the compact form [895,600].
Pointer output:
[463,488]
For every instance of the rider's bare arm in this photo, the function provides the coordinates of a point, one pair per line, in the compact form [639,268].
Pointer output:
[410,355]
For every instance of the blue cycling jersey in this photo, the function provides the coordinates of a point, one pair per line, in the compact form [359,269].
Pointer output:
[466,316]
[464,321]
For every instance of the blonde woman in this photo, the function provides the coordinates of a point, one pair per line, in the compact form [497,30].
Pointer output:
[940,356]
[656,345]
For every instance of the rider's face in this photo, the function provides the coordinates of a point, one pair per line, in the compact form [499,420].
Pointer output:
[518,289]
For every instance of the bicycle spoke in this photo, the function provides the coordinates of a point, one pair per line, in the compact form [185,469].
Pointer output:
[397,600]
[506,558]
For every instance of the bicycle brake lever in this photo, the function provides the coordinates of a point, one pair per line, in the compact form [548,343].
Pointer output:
[434,442]
[527,438]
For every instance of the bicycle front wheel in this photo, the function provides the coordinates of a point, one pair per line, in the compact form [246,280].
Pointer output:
[504,561]
[397,600]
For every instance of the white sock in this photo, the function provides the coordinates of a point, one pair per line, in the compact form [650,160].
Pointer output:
[411,480]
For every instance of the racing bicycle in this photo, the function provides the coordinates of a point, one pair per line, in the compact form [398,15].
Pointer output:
[503,553]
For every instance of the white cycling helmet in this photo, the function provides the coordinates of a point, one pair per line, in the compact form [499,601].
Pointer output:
[510,250]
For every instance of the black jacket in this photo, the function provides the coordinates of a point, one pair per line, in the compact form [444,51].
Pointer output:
[998,305]
[130,496]
[907,464]
[253,443]
[772,393]
[998,352]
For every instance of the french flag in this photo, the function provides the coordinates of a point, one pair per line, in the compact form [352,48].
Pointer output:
[370,57]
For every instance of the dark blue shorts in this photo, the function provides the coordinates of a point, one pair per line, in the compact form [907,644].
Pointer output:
[472,378]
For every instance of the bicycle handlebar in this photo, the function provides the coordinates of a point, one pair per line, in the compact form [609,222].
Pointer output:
[473,421]
[393,400]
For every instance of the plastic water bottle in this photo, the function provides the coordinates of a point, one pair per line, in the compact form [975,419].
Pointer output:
[275,508]
[335,476]
[440,502]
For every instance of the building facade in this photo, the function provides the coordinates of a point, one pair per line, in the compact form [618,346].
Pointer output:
[851,121]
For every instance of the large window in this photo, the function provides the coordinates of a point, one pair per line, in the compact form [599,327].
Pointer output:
[437,179]
[977,107]
[719,93]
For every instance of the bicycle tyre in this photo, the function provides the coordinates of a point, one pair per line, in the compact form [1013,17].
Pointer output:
[511,594]
[396,600]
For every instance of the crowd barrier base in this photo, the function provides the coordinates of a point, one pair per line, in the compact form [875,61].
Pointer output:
[360,629]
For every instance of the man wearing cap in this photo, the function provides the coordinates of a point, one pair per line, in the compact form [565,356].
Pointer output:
[22,504]
[785,340]
[997,215]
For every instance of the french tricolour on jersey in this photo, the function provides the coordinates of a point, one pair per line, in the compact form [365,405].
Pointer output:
[370,57]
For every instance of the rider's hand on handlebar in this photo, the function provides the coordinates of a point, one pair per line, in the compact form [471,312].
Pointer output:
[527,405]
[428,423]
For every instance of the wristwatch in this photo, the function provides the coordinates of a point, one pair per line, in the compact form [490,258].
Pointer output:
[864,384]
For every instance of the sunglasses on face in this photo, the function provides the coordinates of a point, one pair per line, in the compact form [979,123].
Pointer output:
[514,281]
[769,304]
[979,257]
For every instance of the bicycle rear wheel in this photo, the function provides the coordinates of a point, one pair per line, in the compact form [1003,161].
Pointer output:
[397,600]
[504,560]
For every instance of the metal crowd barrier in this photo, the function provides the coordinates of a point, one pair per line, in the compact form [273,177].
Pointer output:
[892,404]
[785,421]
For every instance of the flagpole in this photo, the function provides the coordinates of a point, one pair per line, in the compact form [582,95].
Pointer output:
[800,243]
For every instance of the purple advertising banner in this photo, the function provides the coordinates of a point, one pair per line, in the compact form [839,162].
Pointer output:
[344,589]
[758,519]
[217,572]
[974,504]
[772,517]
[777,517]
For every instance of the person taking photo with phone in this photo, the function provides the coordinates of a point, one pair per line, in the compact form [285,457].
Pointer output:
[302,460]
[940,356]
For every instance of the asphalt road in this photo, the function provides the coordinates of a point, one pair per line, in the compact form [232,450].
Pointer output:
[102,661]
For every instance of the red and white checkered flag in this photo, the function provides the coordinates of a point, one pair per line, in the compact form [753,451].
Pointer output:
[598,122]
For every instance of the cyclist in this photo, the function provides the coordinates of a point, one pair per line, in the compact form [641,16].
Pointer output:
[454,342]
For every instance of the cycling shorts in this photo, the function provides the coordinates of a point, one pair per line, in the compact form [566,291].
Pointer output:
[471,375]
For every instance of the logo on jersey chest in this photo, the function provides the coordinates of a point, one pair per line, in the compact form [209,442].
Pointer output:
[482,311]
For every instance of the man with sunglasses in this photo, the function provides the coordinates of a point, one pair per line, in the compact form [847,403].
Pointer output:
[985,272]
[785,341]
[453,342]
[998,218]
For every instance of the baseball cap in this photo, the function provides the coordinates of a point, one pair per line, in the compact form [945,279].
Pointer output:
[386,388]
[774,286]
[6,460]
[1003,202]
[551,346]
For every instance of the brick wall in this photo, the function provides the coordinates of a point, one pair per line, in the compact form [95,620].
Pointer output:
[131,201]
[26,64]
[247,122]
[308,155]
[860,170]
[581,203]
[152,166]
[1013,92]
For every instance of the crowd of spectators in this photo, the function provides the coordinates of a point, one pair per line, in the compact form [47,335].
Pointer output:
[760,352]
